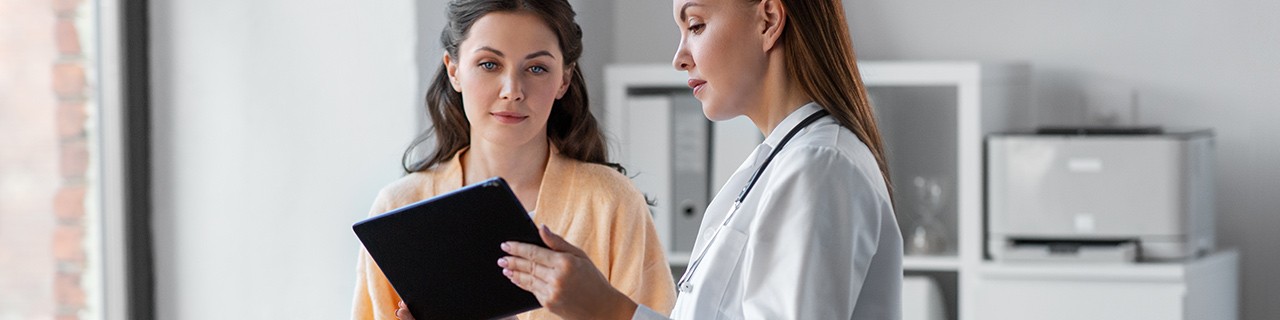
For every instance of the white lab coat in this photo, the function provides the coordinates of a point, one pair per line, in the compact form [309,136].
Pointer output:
[816,238]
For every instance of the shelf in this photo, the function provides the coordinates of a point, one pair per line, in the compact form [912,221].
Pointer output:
[1147,271]
[927,263]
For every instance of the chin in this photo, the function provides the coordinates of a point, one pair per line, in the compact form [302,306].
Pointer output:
[718,113]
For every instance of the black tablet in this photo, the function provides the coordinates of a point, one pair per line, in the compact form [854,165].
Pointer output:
[441,254]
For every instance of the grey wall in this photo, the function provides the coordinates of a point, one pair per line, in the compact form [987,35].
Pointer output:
[430,20]
[1180,62]
[275,124]
[1189,63]
[596,19]
[645,32]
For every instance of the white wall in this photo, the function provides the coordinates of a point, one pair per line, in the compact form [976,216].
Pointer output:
[275,124]
[1191,63]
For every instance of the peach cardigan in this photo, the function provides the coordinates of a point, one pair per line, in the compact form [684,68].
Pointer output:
[593,206]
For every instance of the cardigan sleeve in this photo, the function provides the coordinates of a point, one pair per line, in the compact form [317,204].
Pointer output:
[640,269]
[374,297]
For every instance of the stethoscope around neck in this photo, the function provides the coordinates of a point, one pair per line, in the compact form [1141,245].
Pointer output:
[683,285]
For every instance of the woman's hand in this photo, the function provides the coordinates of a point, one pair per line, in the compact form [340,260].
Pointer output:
[403,312]
[563,279]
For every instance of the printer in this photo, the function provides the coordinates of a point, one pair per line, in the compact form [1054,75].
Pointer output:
[1100,194]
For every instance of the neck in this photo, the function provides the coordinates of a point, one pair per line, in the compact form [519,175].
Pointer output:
[781,96]
[521,166]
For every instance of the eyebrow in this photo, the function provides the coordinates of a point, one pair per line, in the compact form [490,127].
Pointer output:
[530,56]
[539,54]
[683,16]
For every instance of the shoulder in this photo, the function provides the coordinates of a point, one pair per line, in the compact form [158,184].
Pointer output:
[831,153]
[408,189]
[596,195]
[602,178]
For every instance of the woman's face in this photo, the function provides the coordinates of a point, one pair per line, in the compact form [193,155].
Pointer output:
[722,49]
[510,71]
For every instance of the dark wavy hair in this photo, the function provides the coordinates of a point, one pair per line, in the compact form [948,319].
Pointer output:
[571,127]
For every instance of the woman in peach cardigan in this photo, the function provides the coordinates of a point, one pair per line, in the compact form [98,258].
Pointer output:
[509,101]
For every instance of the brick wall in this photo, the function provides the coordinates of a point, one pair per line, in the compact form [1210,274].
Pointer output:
[45,135]
[71,90]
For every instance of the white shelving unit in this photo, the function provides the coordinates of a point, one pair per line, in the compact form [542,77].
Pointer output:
[933,116]
[923,108]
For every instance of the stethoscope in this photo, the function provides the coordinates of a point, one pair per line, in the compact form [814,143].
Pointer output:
[683,285]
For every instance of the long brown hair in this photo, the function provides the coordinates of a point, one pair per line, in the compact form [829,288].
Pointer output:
[819,55]
[571,128]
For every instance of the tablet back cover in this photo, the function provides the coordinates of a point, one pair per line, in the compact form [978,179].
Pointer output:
[441,254]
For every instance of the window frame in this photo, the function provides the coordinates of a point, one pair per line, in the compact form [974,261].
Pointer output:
[128,271]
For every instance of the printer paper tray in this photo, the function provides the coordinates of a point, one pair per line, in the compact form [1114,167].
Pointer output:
[1081,251]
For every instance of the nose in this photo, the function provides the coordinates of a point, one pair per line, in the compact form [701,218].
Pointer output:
[682,61]
[512,89]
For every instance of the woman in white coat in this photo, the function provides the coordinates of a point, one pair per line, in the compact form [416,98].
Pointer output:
[805,228]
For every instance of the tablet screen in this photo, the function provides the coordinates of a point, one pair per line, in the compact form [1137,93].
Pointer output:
[441,254]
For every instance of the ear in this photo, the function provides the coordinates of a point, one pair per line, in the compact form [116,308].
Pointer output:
[451,67]
[773,18]
[568,80]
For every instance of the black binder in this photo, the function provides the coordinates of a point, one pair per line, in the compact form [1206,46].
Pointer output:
[441,254]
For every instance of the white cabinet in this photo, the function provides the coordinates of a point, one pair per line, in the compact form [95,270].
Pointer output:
[1201,289]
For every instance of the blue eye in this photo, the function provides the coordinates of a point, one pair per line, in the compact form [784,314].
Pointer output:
[488,65]
[537,69]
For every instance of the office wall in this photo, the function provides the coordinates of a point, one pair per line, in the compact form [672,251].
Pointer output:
[645,32]
[274,125]
[1188,63]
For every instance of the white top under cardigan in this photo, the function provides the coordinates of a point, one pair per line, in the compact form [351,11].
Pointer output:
[816,238]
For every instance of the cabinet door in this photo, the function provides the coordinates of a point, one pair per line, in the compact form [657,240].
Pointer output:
[1079,299]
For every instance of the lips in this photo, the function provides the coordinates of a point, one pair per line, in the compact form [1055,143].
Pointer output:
[697,85]
[508,117]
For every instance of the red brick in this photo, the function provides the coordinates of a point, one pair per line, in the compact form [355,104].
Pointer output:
[71,119]
[68,291]
[68,37]
[68,80]
[68,243]
[74,158]
[65,7]
[68,203]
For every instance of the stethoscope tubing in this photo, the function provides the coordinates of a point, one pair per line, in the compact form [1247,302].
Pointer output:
[683,285]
